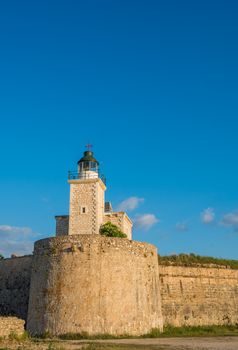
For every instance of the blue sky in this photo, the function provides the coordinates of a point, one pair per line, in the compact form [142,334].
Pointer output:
[153,85]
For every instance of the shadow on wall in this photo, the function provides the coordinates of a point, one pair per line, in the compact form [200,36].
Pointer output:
[15,276]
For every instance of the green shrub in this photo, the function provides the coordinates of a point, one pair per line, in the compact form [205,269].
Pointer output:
[22,337]
[111,230]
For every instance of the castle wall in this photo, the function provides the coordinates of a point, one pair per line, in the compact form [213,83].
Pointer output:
[15,274]
[189,295]
[199,296]
[94,284]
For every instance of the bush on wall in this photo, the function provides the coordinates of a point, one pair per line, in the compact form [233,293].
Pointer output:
[111,230]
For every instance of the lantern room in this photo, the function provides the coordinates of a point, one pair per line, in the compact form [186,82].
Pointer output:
[88,166]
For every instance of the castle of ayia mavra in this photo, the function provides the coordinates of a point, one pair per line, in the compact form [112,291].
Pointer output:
[83,282]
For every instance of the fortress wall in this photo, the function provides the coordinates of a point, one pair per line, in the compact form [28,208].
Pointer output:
[94,284]
[15,276]
[199,296]
[190,295]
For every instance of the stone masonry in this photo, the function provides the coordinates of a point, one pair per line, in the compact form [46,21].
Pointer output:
[62,225]
[94,284]
[11,326]
[15,274]
[197,296]
[189,295]
[86,206]
[121,220]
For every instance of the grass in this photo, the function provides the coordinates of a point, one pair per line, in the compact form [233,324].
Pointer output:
[194,331]
[196,260]
[27,343]
[81,336]
[22,337]
[169,331]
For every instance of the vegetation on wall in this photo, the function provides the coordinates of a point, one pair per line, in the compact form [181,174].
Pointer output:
[196,260]
[111,230]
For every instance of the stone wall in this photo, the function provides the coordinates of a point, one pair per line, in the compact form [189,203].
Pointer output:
[199,296]
[15,274]
[121,220]
[11,325]
[100,272]
[94,284]
[86,206]
[62,225]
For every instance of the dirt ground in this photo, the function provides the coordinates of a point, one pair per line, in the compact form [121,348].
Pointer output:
[212,343]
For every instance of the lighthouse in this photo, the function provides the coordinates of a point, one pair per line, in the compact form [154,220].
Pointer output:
[87,207]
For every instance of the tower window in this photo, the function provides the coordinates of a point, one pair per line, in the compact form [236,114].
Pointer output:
[83,210]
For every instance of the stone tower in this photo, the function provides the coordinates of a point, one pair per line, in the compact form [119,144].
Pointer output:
[87,207]
[82,281]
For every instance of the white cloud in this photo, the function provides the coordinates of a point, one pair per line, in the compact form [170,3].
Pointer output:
[130,203]
[182,226]
[15,247]
[208,216]
[15,229]
[230,220]
[145,221]
[17,240]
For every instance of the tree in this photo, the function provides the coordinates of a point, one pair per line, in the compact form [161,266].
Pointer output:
[1,256]
[111,230]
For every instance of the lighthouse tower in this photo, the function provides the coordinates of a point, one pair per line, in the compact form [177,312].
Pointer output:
[87,207]
[87,187]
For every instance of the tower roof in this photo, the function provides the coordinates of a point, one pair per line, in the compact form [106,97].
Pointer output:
[88,157]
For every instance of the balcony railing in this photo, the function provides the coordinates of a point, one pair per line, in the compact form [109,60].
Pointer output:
[74,175]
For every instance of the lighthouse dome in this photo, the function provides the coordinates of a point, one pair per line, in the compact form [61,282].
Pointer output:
[88,166]
[88,157]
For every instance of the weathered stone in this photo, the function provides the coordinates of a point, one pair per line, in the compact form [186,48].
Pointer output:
[199,296]
[108,285]
[62,225]
[121,220]
[86,206]
[15,275]
[11,326]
